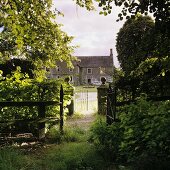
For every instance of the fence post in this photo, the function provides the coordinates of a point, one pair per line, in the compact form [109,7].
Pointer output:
[61,110]
[102,97]
[41,124]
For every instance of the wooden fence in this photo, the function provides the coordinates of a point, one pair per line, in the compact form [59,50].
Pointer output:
[113,104]
[41,119]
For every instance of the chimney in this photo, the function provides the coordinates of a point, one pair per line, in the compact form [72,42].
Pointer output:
[111,52]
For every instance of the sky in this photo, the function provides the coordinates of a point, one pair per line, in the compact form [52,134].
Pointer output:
[94,34]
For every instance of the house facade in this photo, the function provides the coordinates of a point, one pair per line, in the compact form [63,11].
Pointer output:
[87,70]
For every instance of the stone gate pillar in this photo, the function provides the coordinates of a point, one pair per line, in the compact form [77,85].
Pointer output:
[69,90]
[102,97]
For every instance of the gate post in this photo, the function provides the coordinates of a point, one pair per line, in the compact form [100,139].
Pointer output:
[69,90]
[102,97]
[61,110]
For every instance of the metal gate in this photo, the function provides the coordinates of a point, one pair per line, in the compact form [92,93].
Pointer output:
[85,100]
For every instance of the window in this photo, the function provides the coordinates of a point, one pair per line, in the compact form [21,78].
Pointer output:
[89,81]
[89,70]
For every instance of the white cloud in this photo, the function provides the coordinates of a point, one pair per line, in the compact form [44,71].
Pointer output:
[95,33]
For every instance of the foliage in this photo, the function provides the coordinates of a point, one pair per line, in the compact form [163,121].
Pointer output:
[107,139]
[150,77]
[10,65]
[153,76]
[30,31]
[146,129]
[134,43]
[159,9]
[143,132]
[7,45]
[117,74]
[19,87]
[150,63]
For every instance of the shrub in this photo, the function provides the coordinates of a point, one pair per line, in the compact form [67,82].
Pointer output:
[19,87]
[107,138]
[142,133]
[146,130]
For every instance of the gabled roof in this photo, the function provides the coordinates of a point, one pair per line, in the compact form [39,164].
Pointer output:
[95,61]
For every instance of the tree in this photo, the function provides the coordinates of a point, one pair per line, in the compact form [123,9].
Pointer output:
[159,9]
[29,30]
[11,65]
[134,43]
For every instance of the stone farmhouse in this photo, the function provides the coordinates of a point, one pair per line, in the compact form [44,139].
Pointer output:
[87,70]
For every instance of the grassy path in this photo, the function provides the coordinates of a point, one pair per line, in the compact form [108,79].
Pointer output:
[84,122]
[72,151]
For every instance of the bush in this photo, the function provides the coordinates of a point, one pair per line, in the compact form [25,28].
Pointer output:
[142,133]
[19,87]
[146,130]
[107,139]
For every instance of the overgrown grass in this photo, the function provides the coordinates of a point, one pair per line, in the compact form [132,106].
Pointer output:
[71,134]
[70,151]
[12,159]
[72,156]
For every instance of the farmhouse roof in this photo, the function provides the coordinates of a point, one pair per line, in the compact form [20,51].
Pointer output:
[95,61]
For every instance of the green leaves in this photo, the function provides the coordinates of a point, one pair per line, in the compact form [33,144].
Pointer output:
[19,87]
[32,27]
[133,43]
[159,9]
[143,130]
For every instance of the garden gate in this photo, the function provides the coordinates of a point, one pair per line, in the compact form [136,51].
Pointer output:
[85,100]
